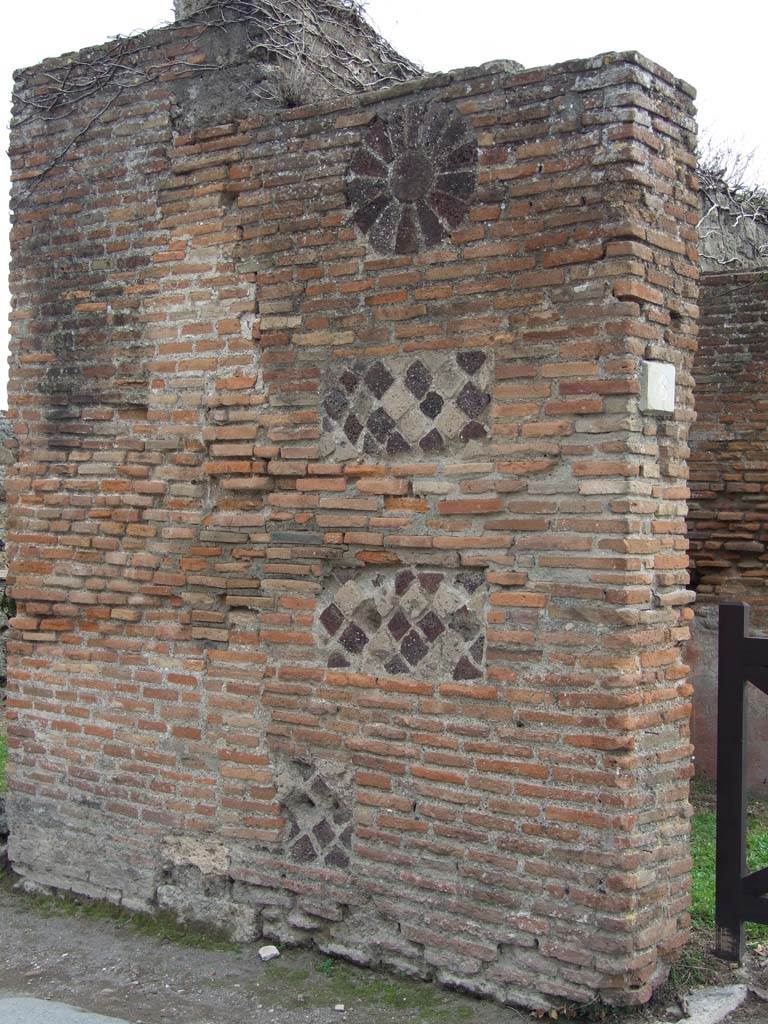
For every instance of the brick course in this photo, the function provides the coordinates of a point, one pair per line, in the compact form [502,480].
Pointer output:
[185,729]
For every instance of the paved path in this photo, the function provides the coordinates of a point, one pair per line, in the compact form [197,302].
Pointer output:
[21,1010]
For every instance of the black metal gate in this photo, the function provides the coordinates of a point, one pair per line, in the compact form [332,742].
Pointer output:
[739,896]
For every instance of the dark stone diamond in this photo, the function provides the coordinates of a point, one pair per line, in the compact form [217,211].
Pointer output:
[349,381]
[294,829]
[379,379]
[353,428]
[353,639]
[382,234]
[342,815]
[431,627]
[370,446]
[335,404]
[368,616]
[303,851]
[324,833]
[454,134]
[378,140]
[396,443]
[473,431]
[321,790]
[412,176]
[332,619]
[413,647]
[337,858]
[434,123]
[413,117]
[363,191]
[403,580]
[407,233]
[471,581]
[396,666]
[367,215]
[466,670]
[477,650]
[396,126]
[456,183]
[471,361]
[430,581]
[471,400]
[346,836]
[398,625]
[452,210]
[461,157]
[431,228]
[305,769]
[464,622]
[380,424]
[432,405]
[337,660]
[369,166]
[432,442]
[417,379]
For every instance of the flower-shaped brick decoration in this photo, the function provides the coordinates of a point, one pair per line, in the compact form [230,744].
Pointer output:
[413,178]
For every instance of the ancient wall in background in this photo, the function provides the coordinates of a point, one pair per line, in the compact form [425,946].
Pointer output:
[351,576]
[728,517]
[733,230]
[266,55]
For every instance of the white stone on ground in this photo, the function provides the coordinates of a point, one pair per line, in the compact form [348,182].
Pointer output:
[269,953]
[711,1005]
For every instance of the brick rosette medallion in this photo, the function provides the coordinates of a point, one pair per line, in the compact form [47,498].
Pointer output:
[412,179]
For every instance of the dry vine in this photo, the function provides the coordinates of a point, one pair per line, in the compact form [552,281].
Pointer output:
[295,50]
[734,204]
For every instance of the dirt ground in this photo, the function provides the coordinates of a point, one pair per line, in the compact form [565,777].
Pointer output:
[104,966]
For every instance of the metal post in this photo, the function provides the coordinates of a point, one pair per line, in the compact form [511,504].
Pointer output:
[731,859]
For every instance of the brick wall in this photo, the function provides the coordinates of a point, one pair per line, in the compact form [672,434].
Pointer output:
[729,460]
[351,578]
[728,517]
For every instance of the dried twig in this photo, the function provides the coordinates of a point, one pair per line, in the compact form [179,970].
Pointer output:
[727,203]
[296,52]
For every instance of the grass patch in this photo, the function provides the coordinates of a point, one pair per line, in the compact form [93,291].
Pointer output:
[703,853]
[162,926]
[326,982]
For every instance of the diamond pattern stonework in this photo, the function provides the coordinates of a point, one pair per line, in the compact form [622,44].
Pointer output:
[407,404]
[411,622]
[314,801]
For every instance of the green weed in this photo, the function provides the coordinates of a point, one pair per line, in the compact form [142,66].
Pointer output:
[162,926]
[326,982]
[703,853]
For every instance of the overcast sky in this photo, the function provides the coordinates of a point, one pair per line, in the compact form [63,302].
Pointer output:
[718,49]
